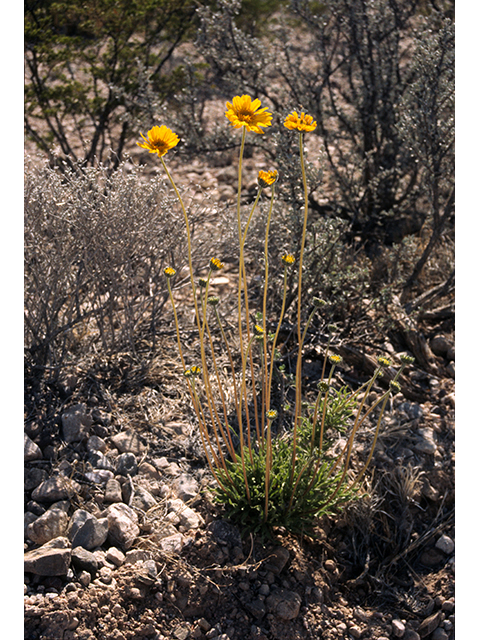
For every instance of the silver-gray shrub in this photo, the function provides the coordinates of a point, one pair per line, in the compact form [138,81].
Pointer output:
[96,244]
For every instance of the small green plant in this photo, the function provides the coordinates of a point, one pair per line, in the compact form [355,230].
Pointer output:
[267,475]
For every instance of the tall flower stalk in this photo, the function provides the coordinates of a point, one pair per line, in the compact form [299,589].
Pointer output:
[265,477]
[303,123]
[246,114]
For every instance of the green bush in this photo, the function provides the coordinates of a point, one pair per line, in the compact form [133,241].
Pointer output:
[92,66]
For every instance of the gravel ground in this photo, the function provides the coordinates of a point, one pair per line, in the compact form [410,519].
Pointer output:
[122,539]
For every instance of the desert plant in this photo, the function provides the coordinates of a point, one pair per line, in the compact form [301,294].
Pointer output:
[94,67]
[95,248]
[427,127]
[266,477]
[91,68]
[358,71]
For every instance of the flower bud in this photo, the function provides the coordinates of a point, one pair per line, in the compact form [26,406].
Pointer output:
[169,272]
[394,386]
[288,259]
[216,265]
[384,362]
[267,178]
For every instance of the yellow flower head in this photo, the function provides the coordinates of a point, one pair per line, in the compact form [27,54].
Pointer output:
[159,140]
[258,330]
[169,272]
[192,372]
[334,359]
[242,112]
[272,414]
[394,386]
[302,122]
[216,265]
[288,259]
[267,178]
[383,362]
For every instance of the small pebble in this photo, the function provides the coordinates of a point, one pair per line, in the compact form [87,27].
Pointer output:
[115,556]
[448,606]
[445,544]
[398,628]
[330,565]
[439,634]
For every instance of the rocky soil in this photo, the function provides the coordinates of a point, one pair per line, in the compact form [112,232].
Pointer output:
[122,540]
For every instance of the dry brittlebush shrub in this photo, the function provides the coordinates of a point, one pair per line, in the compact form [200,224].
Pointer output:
[95,249]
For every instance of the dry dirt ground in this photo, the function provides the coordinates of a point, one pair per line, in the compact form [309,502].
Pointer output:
[383,569]
[373,573]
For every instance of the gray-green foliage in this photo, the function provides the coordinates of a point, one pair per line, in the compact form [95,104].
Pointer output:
[426,126]
[93,67]
[353,71]
[95,248]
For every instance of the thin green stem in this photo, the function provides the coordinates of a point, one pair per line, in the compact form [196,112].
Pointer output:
[377,430]
[242,441]
[298,374]
[177,329]
[265,385]
[232,366]
[189,237]
[268,467]
[310,317]
[241,258]
[194,397]
[197,315]
[226,438]
[324,413]
[206,438]
[326,357]
[355,428]
[242,276]
[275,339]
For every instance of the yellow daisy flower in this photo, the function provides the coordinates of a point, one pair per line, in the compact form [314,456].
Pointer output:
[242,112]
[258,330]
[159,140]
[267,178]
[302,122]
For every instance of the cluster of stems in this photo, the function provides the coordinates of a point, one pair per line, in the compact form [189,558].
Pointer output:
[252,385]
